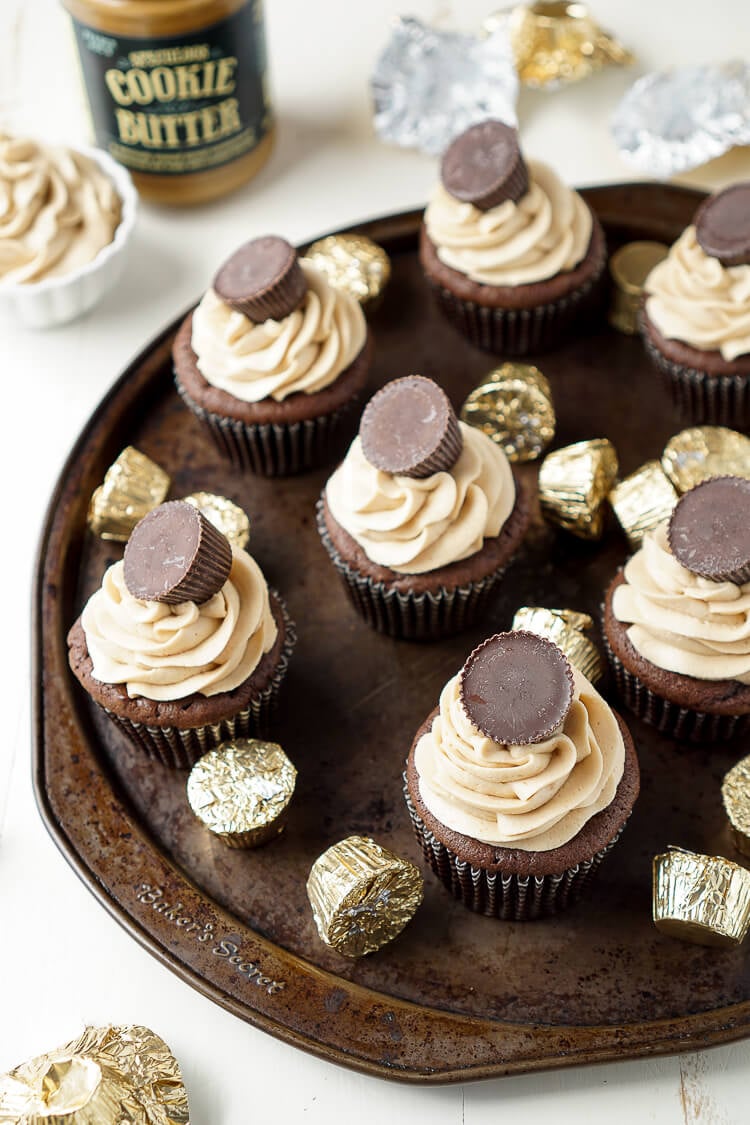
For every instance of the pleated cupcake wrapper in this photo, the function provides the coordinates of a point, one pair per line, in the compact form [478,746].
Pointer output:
[517,898]
[277,449]
[181,748]
[722,400]
[520,331]
[679,722]
[405,615]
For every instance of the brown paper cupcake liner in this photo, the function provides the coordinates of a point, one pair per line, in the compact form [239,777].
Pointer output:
[518,898]
[278,449]
[181,748]
[406,615]
[721,400]
[669,718]
[520,331]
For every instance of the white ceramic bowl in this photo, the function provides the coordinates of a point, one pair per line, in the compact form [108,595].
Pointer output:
[55,300]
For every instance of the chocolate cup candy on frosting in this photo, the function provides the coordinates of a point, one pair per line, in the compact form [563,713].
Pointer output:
[263,279]
[410,428]
[709,532]
[722,225]
[176,555]
[484,166]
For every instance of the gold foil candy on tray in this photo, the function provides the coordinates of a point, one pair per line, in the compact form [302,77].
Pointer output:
[701,898]
[642,501]
[629,267]
[555,41]
[241,791]
[362,895]
[565,627]
[513,406]
[108,1075]
[574,483]
[735,794]
[133,485]
[352,262]
[701,452]
[224,514]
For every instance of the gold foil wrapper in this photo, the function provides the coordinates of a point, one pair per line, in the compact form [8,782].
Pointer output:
[629,267]
[565,627]
[701,898]
[362,895]
[224,514]
[241,791]
[133,485]
[352,262]
[109,1075]
[574,483]
[701,452]
[555,42]
[513,406]
[735,793]
[642,501]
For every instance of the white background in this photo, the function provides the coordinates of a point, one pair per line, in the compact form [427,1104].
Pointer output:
[63,961]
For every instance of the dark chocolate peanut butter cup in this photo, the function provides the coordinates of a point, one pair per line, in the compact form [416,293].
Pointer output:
[484,166]
[709,532]
[517,688]
[722,225]
[176,555]
[263,279]
[409,427]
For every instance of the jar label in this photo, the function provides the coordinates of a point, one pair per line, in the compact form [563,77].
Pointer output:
[181,104]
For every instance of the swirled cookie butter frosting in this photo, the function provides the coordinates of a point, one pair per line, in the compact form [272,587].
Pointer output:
[694,298]
[546,232]
[304,351]
[57,210]
[167,652]
[681,622]
[534,797]
[413,525]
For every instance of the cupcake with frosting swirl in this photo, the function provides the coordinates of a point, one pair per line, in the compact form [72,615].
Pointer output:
[273,360]
[514,256]
[183,645]
[696,318]
[422,516]
[520,781]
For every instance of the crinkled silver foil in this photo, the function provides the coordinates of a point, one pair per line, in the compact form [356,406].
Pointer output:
[673,120]
[428,85]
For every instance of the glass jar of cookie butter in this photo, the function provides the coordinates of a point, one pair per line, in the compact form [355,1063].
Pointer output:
[177,91]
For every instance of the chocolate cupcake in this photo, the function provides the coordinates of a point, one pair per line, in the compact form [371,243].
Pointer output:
[273,360]
[183,645]
[677,617]
[695,322]
[422,516]
[521,781]
[515,258]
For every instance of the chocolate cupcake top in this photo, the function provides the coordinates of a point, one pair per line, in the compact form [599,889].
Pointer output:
[722,225]
[484,166]
[409,427]
[709,530]
[534,796]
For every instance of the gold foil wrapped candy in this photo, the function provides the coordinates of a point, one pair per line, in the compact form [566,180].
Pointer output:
[642,501]
[241,790]
[352,262]
[735,793]
[123,1075]
[574,483]
[556,41]
[362,895]
[701,898]
[629,267]
[133,485]
[565,627]
[224,514]
[701,452]
[513,406]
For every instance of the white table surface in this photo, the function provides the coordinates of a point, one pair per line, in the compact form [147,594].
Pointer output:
[63,961]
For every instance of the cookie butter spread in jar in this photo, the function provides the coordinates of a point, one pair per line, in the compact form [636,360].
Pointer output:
[177,91]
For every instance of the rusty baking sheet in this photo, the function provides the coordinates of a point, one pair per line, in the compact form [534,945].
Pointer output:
[456,996]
